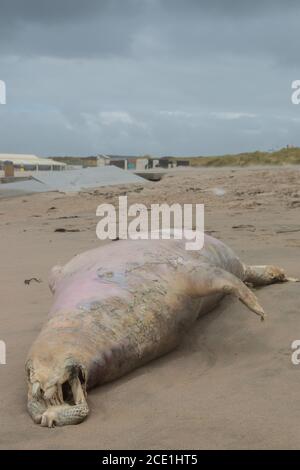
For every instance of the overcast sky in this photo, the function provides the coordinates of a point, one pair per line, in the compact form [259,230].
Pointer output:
[165,77]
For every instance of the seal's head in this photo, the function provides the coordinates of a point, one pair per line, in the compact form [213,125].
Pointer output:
[56,390]
[53,381]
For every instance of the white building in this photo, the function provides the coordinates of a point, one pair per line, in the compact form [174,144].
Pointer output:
[24,162]
[103,160]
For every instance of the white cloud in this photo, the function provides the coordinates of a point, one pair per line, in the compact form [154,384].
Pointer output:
[115,119]
[225,115]
[229,116]
[108,118]
[177,114]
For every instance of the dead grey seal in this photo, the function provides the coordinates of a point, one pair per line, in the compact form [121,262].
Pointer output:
[121,305]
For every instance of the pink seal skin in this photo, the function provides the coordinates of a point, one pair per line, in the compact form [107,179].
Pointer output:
[121,305]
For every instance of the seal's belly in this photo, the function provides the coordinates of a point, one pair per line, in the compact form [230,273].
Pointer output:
[128,337]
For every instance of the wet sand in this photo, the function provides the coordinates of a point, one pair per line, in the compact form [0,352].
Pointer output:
[231,383]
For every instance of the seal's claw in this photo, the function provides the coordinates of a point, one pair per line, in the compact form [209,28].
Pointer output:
[48,418]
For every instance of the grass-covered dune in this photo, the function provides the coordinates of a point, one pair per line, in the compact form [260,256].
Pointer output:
[284,156]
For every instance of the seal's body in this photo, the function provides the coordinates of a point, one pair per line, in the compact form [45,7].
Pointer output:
[121,305]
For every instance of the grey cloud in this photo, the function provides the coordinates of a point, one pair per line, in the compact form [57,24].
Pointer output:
[93,28]
[35,11]
[158,76]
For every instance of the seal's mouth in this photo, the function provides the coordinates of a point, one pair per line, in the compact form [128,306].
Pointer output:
[67,393]
[55,388]
[57,395]
[74,385]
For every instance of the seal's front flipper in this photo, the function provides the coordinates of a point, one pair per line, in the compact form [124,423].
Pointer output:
[265,274]
[209,280]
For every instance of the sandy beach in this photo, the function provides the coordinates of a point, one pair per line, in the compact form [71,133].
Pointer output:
[230,385]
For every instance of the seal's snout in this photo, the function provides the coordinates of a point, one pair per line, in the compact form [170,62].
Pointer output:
[56,396]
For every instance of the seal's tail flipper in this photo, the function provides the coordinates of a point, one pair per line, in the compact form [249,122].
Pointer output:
[217,281]
[265,274]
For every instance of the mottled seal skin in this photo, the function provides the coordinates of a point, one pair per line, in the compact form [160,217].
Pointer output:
[121,305]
